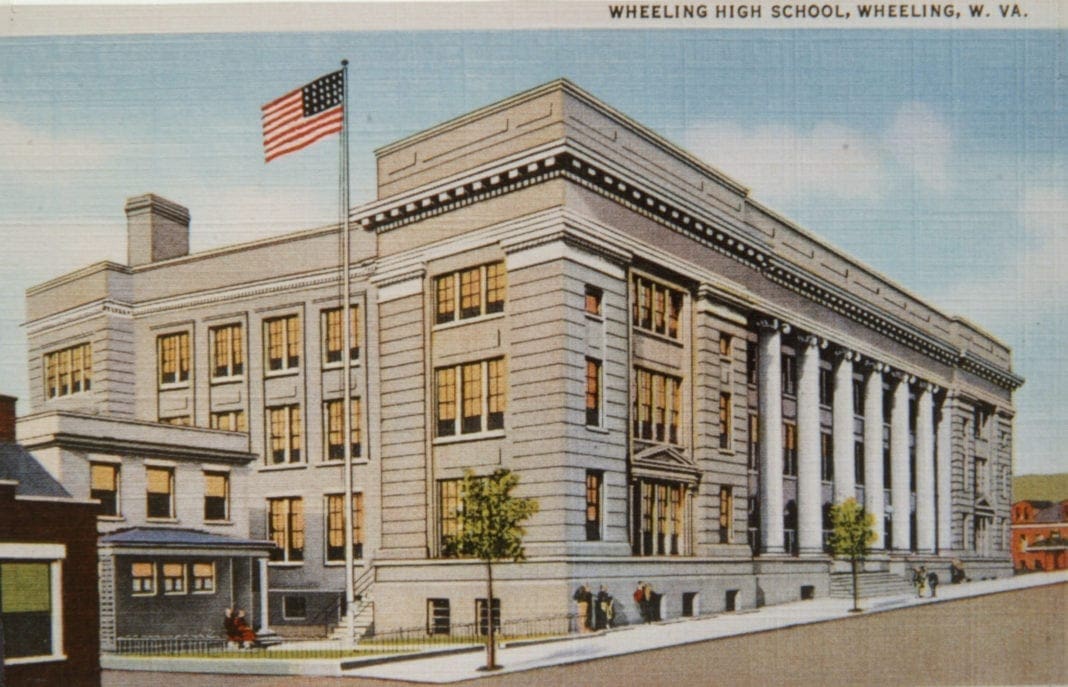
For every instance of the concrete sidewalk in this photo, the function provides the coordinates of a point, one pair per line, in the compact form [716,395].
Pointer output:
[461,663]
[456,667]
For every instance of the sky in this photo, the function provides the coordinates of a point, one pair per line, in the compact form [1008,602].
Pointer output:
[937,158]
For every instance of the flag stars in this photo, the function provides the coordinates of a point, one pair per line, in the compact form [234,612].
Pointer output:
[322,94]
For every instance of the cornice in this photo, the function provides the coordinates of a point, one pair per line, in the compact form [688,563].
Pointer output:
[77,314]
[142,449]
[705,230]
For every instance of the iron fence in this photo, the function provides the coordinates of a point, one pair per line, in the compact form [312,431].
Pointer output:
[406,640]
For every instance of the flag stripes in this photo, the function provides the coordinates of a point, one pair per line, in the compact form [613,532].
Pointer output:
[303,116]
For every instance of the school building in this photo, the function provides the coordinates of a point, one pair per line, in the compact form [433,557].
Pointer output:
[684,380]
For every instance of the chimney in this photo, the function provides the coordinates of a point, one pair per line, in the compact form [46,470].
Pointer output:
[156,229]
[7,419]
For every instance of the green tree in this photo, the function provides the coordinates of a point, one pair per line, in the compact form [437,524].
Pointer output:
[489,529]
[852,535]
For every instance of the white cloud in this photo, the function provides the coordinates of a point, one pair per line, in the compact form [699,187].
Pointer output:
[920,141]
[781,163]
[25,149]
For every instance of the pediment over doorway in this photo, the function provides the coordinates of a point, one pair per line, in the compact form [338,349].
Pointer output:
[665,463]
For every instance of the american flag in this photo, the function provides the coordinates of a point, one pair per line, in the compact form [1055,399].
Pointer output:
[302,117]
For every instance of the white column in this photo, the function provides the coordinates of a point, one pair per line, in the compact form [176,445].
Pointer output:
[925,471]
[769,403]
[944,479]
[809,485]
[874,502]
[899,465]
[264,627]
[842,411]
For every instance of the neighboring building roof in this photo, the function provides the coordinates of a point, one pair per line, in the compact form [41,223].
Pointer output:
[1054,512]
[177,537]
[18,465]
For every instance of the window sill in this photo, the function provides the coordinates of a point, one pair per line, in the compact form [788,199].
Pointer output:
[597,429]
[175,593]
[282,466]
[726,451]
[51,658]
[172,521]
[227,380]
[358,362]
[340,564]
[594,317]
[461,438]
[340,463]
[659,337]
[203,592]
[111,518]
[218,523]
[285,564]
[467,320]
[171,386]
[284,372]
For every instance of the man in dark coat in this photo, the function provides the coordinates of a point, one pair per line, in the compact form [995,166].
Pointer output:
[602,609]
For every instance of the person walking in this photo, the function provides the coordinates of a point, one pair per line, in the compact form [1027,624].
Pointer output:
[932,582]
[652,607]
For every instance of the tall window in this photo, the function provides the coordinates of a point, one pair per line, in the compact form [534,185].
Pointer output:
[724,420]
[229,420]
[283,427]
[594,479]
[858,460]
[468,293]
[216,496]
[754,442]
[335,527]
[449,505]
[662,518]
[594,296]
[725,345]
[480,386]
[285,527]
[173,358]
[657,406]
[826,456]
[858,396]
[334,411]
[333,330]
[227,352]
[282,341]
[751,360]
[68,371]
[826,386]
[31,607]
[789,449]
[726,514]
[104,487]
[160,492]
[657,308]
[789,375]
[593,392]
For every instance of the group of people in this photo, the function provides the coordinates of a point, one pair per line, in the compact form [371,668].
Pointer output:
[594,610]
[237,629]
[921,579]
[648,602]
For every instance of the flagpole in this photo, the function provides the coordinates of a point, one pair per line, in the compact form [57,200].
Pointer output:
[346,323]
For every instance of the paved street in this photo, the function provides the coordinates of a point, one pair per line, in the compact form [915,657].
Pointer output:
[1010,637]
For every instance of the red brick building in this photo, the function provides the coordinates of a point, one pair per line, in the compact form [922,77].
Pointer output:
[1040,535]
[48,573]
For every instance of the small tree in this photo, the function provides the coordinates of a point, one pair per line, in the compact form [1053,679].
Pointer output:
[852,536]
[489,529]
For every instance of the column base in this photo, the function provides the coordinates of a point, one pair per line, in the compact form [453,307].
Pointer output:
[267,637]
[812,552]
[779,550]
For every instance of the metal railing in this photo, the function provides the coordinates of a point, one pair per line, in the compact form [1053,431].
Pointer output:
[414,639]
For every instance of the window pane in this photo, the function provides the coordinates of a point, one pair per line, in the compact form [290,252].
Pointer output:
[103,477]
[495,287]
[471,376]
[446,298]
[446,406]
[158,480]
[496,400]
[471,292]
[25,587]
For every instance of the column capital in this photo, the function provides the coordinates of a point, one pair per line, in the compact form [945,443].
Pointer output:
[772,324]
[929,387]
[873,365]
[843,353]
[811,341]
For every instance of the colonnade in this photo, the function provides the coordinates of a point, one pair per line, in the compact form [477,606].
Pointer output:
[932,446]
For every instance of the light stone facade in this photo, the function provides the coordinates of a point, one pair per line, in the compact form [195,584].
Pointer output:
[746,375]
